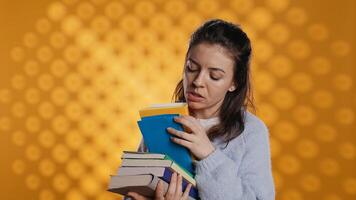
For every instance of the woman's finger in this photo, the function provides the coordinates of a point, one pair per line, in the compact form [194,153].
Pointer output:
[159,193]
[179,186]
[181,134]
[136,196]
[172,186]
[186,122]
[182,142]
[186,192]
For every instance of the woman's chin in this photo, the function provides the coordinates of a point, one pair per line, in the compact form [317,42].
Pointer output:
[195,105]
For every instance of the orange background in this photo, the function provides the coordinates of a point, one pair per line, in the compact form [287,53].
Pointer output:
[74,74]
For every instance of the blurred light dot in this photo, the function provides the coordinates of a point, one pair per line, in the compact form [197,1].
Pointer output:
[325,132]
[320,65]
[278,33]
[260,18]
[5,96]
[60,124]
[345,116]
[207,8]
[46,138]
[43,26]
[88,154]
[275,147]
[46,110]
[307,148]
[190,20]
[160,23]
[86,39]
[75,169]
[17,54]
[264,82]
[31,68]
[32,152]
[144,9]
[296,16]
[175,8]
[58,40]
[89,185]
[71,25]
[323,99]
[61,182]
[263,50]
[347,150]
[340,48]
[277,5]
[46,195]
[46,167]
[74,194]
[299,49]
[19,138]
[100,24]
[301,82]
[291,194]
[72,54]
[73,111]
[44,54]
[60,153]
[59,68]
[33,124]
[18,109]
[318,32]
[30,40]
[268,113]
[304,115]
[59,96]
[342,82]
[349,186]
[45,82]
[85,10]
[129,24]
[329,167]
[332,197]
[283,98]
[281,66]
[32,181]
[288,164]
[56,11]
[18,166]
[5,124]
[310,182]
[242,6]
[32,95]
[114,10]
[285,131]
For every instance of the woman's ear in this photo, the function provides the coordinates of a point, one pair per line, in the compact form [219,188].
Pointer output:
[232,88]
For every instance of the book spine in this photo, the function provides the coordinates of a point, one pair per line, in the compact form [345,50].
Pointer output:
[167,175]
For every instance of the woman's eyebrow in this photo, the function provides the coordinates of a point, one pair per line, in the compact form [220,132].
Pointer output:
[212,68]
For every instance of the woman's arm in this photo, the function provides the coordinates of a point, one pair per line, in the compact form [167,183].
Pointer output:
[220,177]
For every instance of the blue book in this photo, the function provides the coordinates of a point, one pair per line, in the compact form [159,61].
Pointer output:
[157,139]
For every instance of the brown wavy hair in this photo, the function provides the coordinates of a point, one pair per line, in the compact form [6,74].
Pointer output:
[235,104]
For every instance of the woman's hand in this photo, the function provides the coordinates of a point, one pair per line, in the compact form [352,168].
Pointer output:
[174,191]
[196,141]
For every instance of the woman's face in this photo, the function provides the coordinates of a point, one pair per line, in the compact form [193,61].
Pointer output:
[208,76]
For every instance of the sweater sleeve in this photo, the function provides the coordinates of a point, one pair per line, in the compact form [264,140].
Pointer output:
[220,177]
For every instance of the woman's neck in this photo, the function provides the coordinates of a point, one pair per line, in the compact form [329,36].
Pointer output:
[203,114]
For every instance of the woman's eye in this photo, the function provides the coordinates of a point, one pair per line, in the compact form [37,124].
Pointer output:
[214,78]
[191,69]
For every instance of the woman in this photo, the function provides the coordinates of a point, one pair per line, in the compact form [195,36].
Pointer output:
[230,144]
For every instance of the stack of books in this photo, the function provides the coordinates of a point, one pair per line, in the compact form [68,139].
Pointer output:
[141,171]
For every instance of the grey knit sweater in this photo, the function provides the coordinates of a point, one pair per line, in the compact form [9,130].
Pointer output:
[242,170]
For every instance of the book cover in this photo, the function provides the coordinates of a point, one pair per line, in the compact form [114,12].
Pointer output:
[157,139]
[167,108]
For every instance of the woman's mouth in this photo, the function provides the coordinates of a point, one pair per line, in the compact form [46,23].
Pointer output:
[194,97]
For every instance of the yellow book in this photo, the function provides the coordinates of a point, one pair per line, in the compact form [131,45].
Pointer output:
[167,108]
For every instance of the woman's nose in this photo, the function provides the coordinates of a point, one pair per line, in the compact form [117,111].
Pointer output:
[199,80]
